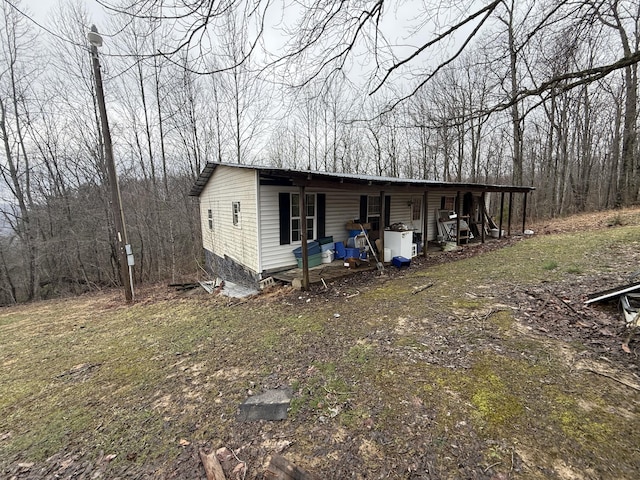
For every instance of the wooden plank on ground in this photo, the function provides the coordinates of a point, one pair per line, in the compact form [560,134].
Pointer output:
[212,466]
[280,468]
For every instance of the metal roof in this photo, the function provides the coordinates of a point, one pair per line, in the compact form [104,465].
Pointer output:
[307,177]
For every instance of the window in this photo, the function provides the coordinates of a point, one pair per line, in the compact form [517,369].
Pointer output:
[373,211]
[448,203]
[236,214]
[289,225]
[210,215]
[416,209]
[296,221]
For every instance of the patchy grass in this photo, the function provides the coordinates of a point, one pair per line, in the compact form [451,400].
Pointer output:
[444,383]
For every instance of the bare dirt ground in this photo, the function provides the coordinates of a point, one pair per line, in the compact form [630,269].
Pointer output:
[416,432]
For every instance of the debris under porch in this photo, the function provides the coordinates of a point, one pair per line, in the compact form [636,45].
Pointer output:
[326,272]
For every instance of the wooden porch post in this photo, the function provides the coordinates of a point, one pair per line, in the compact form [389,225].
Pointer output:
[425,221]
[381,226]
[501,214]
[482,225]
[458,214]
[303,237]
[510,213]
[524,212]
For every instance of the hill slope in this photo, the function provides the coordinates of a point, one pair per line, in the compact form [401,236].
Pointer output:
[496,371]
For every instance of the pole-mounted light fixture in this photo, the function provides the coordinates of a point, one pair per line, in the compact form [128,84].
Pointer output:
[95,39]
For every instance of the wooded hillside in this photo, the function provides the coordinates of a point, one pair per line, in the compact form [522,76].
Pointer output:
[531,93]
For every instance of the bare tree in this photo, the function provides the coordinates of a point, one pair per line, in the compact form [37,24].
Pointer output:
[624,19]
[16,168]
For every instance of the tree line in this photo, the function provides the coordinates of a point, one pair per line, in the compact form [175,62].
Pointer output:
[540,93]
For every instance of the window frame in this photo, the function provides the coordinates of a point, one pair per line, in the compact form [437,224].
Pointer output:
[373,217]
[448,203]
[294,206]
[236,214]
[210,218]
[416,209]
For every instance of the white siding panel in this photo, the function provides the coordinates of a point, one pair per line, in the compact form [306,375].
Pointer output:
[341,207]
[273,255]
[400,211]
[433,200]
[228,185]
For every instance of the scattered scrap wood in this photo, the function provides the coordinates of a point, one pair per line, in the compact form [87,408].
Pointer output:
[212,466]
[421,288]
[224,460]
[280,468]
[553,299]
[210,286]
[184,286]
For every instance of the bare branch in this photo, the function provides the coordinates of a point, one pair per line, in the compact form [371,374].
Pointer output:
[488,9]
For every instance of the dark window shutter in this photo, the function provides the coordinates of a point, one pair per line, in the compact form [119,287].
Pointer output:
[387,210]
[363,208]
[321,200]
[284,201]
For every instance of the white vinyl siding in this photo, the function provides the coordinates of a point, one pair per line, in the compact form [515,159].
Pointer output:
[231,195]
[341,206]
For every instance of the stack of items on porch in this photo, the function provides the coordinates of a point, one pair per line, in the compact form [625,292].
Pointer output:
[356,246]
[323,250]
[318,251]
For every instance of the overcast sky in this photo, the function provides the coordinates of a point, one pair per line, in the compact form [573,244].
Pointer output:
[41,9]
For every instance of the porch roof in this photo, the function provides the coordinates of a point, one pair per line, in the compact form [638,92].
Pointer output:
[309,178]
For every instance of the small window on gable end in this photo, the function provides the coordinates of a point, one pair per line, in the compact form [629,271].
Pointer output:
[210,215]
[236,214]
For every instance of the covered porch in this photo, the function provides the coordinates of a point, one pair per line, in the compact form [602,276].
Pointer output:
[326,273]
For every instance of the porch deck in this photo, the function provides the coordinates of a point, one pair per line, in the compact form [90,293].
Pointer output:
[336,269]
[327,272]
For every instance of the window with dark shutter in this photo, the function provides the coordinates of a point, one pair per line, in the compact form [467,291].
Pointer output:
[290,226]
[387,210]
[284,205]
[363,208]
[321,200]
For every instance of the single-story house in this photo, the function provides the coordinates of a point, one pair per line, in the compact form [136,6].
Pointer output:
[252,217]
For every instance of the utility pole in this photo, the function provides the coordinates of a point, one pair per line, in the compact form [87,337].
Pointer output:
[116,202]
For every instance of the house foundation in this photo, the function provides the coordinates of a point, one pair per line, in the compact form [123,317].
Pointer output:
[230,270]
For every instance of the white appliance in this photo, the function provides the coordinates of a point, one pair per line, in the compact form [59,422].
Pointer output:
[400,243]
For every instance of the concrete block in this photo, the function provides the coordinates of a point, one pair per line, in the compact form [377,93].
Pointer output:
[269,405]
